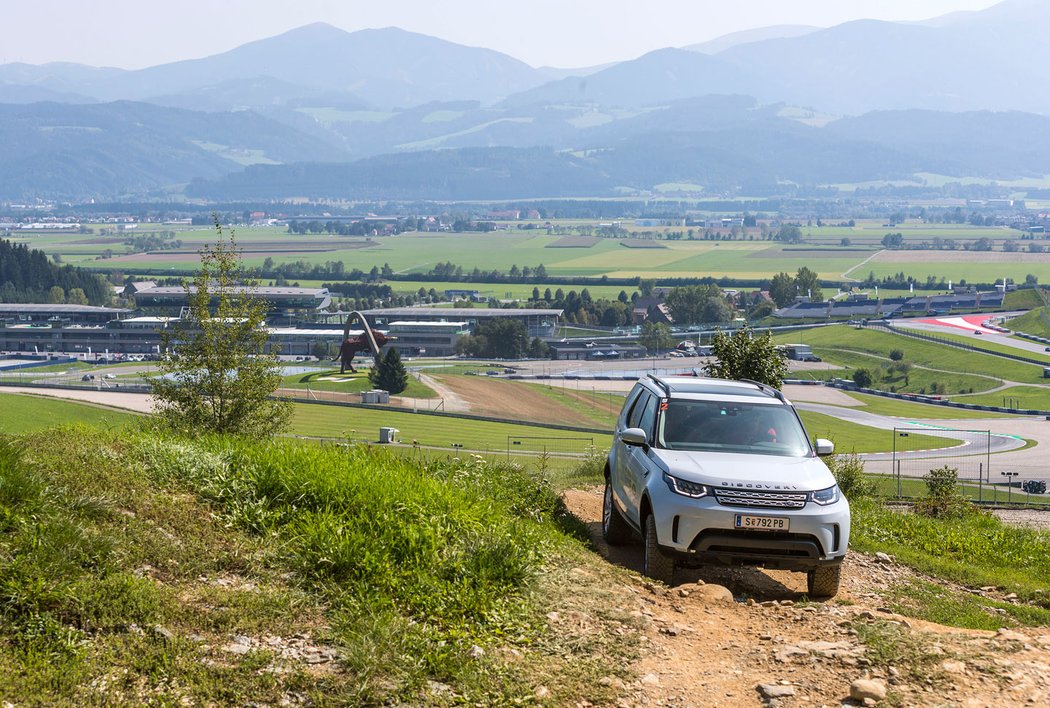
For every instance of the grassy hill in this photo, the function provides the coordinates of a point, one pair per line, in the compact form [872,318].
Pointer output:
[222,571]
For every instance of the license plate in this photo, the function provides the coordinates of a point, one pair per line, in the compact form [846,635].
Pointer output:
[762,523]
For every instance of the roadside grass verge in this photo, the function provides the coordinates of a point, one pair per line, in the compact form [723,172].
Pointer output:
[850,437]
[915,381]
[20,413]
[143,568]
[1031,322]
[1028,397]
[985,343]
[923,411]
[976,551]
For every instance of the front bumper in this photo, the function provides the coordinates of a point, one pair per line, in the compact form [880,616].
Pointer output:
[702,531]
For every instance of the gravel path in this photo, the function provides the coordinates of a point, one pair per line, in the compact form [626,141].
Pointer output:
[1025,517]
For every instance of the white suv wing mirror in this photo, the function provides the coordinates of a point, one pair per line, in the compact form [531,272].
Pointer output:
[825,447]
[634,436]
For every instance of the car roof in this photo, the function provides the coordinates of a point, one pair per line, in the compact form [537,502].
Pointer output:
[708,388]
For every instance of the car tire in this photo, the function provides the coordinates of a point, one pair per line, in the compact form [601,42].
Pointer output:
[654,563]
[823,582]
[615,529]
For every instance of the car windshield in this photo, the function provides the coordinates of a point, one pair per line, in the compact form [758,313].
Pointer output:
[732,427]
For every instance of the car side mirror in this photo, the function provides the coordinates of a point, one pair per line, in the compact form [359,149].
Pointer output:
[825,447]
[634,436]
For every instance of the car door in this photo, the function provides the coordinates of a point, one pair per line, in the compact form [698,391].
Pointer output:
[638,463]
[621,452]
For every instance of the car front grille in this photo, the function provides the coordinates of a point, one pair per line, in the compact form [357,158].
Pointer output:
[760,499]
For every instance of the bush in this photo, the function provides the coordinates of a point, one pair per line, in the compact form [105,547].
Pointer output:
[942,500]
[849,475]
[896,354]
[863,378]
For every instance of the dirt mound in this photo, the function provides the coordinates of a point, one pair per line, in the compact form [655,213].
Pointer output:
[510,399]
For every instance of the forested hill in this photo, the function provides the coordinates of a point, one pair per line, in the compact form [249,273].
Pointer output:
[28,276]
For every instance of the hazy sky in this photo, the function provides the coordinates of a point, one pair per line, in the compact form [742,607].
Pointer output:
[566,33]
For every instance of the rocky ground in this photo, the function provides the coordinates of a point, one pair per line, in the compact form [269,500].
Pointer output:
[738,637]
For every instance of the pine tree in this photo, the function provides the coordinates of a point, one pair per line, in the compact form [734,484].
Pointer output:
[390,375]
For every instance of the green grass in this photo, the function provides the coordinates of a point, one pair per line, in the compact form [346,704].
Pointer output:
[430,430]
[851,437]
[21,413]
[746,258]
[855,347]
[910,488]
[1027,397]
[1024,299]
[921,411]
[350,383]
[127,585]
[977,550]
[1031,322]
[983,343]
[602,408]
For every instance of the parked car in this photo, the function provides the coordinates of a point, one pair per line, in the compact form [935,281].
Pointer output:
[87,377]
[710,471]
[1034,486]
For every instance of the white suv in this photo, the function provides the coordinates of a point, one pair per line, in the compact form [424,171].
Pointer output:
[716,471]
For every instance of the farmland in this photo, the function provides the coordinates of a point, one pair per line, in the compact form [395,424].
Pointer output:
[835,252]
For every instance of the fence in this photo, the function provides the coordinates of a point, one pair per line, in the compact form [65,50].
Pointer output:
[916,451]
[549,445]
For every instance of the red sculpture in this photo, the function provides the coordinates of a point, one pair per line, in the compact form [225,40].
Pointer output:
[360,343]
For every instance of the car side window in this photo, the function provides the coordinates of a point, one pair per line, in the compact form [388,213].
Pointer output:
[635,416]
[648,417]
[628,407]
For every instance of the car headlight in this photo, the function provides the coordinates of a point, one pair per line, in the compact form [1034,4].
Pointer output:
[825,496]
[685,488]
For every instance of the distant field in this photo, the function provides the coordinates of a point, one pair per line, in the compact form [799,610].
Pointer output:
[564,253]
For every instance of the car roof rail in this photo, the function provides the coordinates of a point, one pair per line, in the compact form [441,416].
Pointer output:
[767,388]
[662,384]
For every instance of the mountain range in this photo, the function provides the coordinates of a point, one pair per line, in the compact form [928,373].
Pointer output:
[867,100]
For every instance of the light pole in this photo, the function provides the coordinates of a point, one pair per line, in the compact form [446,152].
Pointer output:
[1009,484]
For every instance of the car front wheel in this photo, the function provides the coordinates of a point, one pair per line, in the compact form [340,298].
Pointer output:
[615,530]
[823,582]
[654,563]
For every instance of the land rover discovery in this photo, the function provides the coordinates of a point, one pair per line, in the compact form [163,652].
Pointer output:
[710,471]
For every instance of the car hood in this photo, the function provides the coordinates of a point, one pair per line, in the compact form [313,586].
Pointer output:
[721,469]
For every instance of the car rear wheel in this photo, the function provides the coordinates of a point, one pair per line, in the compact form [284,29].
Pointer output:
[654,563]
[615,530]
[823,582]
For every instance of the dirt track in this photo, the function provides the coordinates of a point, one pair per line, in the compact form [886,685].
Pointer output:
[511,399]
[701,651]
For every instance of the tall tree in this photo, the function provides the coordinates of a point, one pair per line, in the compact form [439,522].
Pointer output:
[808,284]
[689,303]
[782,289]
[218,378]
[655,336]
[744,355]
